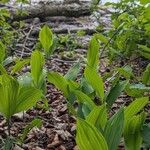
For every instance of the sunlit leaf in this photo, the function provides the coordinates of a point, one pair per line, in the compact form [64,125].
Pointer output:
[132,132]
[115,92]
[101,38]
[34,123]
[59,81]
[46,38]
[37,62]
[8,95]
[19,65]
[93,53]
[98,116]
[27,98]
[73,72]
[114,129]
[95,80]
[88,137]
[136,106]
[83,98]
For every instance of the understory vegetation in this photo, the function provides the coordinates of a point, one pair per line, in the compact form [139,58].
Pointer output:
[90,93]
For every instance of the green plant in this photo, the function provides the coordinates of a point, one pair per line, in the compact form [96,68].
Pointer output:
[67,42]
[46,39]
[130,30]
[15,98]
[34,123]
[95,118]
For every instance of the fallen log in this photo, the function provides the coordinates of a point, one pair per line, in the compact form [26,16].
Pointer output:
[42,10]
[87,31]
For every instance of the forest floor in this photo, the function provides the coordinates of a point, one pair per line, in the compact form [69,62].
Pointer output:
[58,129]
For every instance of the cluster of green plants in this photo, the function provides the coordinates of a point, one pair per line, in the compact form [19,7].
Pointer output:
[98,128]
[20,93]
[130,29]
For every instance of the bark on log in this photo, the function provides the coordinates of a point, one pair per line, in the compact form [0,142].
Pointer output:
[42,10]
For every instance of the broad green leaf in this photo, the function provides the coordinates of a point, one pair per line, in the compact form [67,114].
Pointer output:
[146,75]
[59,81]
[114,129]
[83,110]
[73,84]
[136,106]
[27,98]
[86,87]
[115,92]
[73,72]
[88,137]
[133,92]
[83,98]
[137,90]
[37,62]
[46,38]
[98,116]
[126,72]
[132,132]
[15,98]
[95,80]
[140,87]
[102,38]
[93,53]
[2,52]
[34,123]
[146,135]
[19,65]
[8,95]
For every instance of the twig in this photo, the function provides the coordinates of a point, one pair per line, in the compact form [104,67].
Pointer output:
[25,41]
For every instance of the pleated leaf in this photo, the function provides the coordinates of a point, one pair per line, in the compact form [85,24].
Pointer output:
[132,132]
[19,65]
[8,95]
[98,116]
[59,81]
[27,98]
[73,72]
[114,129]
[93,53]
[88,137]
[95,80]
[46,38]
[115,93]
[37,62]
[15,98]
[136,106]
[83,98]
